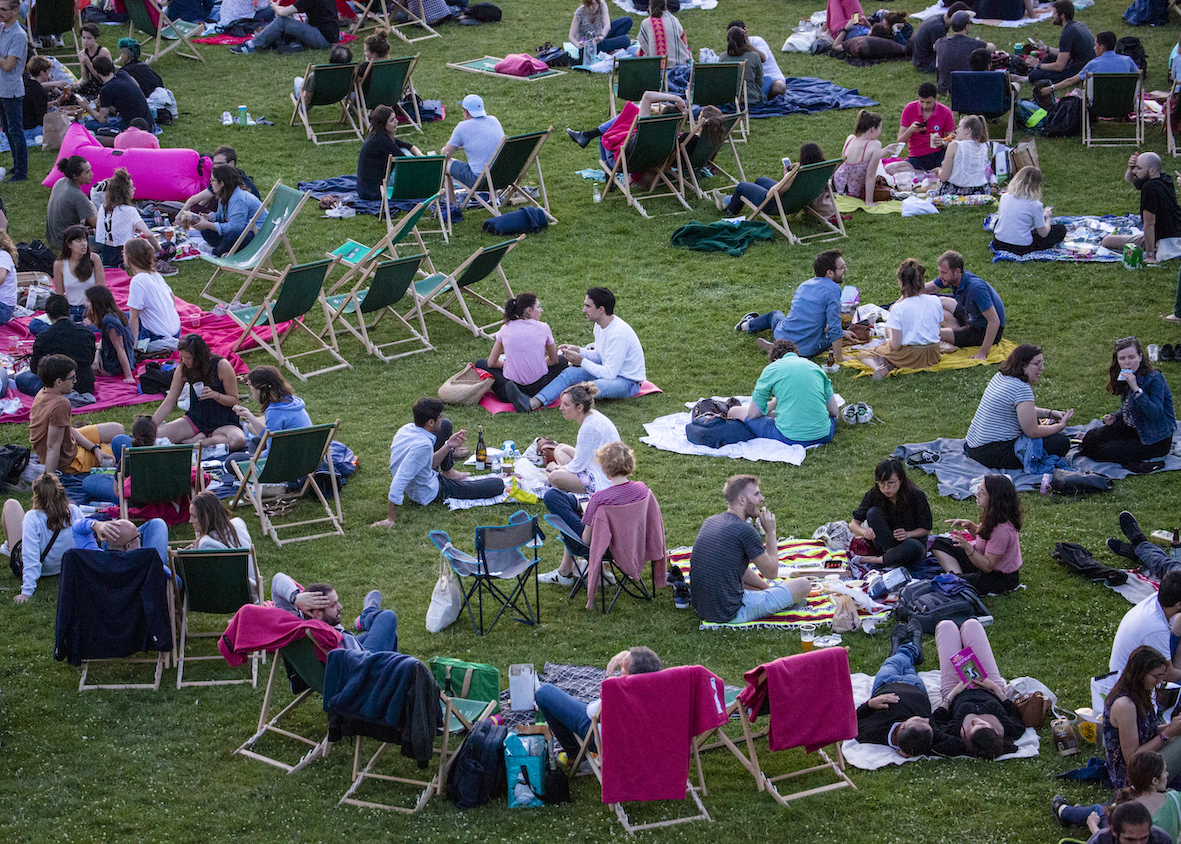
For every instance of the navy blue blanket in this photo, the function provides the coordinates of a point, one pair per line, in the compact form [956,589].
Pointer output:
[345,188]
[805,95]
[367,685]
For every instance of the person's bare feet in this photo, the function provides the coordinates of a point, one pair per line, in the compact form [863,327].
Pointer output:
[456,475]
[765,345]
[384,523]
[947,348]
[1171,318]
[881,367]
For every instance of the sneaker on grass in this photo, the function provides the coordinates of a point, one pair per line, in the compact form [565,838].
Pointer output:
[556,577]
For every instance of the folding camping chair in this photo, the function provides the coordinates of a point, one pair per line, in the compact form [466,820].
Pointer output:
[482,263]
[293,456]
[1112,97]
[111,606]
[217,582]
[158,474]
[54,18]
[498,558]
[634,76]
[303,661]
[332,86]
[289,301]
[794,193]
[253,260]
[705,150]
[362,260]
[417,178]
[388,285]
[147,16]
[388,82]
[381,14]
[720,84]
[663,709]
[656,142]
[983,92]
[501,178]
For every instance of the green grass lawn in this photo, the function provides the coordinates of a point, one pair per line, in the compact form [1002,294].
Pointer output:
[114,766]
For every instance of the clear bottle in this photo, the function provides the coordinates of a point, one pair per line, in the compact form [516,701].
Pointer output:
[481,451]
[596,193]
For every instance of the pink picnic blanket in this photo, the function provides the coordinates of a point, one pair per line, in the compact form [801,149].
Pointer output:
[494,405]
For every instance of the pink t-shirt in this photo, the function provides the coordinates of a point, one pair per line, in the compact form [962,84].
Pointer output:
[524,342]
[1004,541]
[941,122]
[133,138]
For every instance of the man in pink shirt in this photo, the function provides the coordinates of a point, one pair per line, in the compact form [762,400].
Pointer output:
[136,136]
[922,122]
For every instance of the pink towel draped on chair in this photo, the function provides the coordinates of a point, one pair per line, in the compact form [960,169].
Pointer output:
[263,628]
[635,535]
[810,699]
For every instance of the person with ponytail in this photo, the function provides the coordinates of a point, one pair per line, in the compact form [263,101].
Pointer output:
[524,356]
[857,176]
[1148,778]
[37,540]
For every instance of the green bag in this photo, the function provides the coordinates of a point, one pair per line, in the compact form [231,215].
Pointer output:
[467,680]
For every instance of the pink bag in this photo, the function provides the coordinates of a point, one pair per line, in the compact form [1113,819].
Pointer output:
[520,64]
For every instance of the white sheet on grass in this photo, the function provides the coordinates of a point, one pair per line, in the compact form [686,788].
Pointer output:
[939,9]
[870,757]
[627,6]
[668,434]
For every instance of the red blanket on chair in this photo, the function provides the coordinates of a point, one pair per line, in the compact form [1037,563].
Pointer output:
[810,699]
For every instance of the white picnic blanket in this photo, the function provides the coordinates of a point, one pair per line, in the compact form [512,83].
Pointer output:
[939,9]
[870,757]
[668,434]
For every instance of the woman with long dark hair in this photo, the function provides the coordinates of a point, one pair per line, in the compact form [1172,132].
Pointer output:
[38,539]
[213,393]
[1148,784]
[1130,722]
[594,32]
[281,409]
[524,356]
[739,48]
[235,207]
[379,145]
[119,220]
[116,352]
[857,176]
[991,559]
[77,270]
[894,517]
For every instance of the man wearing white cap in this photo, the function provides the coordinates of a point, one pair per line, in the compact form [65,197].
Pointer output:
[478,135]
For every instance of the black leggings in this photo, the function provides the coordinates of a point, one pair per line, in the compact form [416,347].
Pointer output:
[908,553]
[985,582]
[499,382]
[1057,235]
[1119,443]
[1000,455]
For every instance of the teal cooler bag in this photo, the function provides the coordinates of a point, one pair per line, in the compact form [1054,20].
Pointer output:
[524,762]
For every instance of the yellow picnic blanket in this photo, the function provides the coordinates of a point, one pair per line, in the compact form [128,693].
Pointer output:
[959,359]
[849,204]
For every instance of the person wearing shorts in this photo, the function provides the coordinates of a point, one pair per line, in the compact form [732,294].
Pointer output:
[975,314]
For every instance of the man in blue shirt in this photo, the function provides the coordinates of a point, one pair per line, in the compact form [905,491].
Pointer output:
[14,44]
[1106,60]
[814,321]
[423,466]
[974,313]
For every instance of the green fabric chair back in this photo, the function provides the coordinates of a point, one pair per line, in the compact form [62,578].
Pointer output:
[636,76]
[283,205]
[158,473]
[407,223]
[656,141]
[390,282]
[293,453]
[215,581]
[515,154]
[387,81]
[300,289]
[1113,95]
[484,264]
[471,710]
[141,19]
[332,84]
[53,17]
[704,151]
[416,177]
[808,184]
[301,657]
[716,84]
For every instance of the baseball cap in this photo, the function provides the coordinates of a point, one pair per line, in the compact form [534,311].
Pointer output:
[961,19]
[473,104]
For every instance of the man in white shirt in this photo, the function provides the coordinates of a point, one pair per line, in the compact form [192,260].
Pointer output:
[615,362]
[1148,623]
[479,135]
[774,82]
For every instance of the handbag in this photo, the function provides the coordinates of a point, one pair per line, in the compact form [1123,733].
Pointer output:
[881,190]
[1074,482]
[1024,155]
[1033,709]
[465,387]
[53,129]
[16,560]
[446,599]
[863,330]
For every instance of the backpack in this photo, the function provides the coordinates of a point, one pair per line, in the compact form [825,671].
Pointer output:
[343,460]
[930,604]
[34,257]
[484,12]
[554,56]
[1131,47]
[13,460]
[712,409]
[156,378]
[1029,114]
[476,772]
[1079,560]
[1065,119]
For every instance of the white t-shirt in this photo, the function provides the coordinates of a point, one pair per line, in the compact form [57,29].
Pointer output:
[596,430]
[1017,218]
[770,66]
[918,318]
[478,138]
[1144,624]
[8,285]
[123,220]
[150,294]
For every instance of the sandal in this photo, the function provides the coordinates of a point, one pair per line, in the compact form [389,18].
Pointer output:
[922,457]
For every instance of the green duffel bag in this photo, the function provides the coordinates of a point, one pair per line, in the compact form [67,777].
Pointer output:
[468,680]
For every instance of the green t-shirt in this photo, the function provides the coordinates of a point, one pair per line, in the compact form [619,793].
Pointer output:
[801,391]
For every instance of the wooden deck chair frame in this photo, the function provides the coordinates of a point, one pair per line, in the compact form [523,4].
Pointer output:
[360,269]
[254,475]
[300,652]
[636,588]
[435,193]
[628,75]
[775,212]
[596,765]
[404,66]
[140,18]
[161,465]
[427,290]
[502,184]
[1137,109]
[59,11]
[377,13]
[456,712]
[188,565]
[389,283]
[703,154]
[961,112]
[619,173]
[334,84]
[254,260]
[275,310]
[711,95]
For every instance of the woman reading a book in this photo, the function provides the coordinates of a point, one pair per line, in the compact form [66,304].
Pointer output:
[973,709]
[990,557]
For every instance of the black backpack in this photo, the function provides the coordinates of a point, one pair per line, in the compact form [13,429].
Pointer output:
[13,460]
[476,773]
[1065,119]
[156,378]
[484,12]
[34,257]
[925,601]
[1131,47]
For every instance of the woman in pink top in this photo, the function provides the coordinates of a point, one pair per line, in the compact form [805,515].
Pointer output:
[991,561]
[524,357]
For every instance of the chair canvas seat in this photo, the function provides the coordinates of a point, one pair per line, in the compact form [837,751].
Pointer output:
[458,287]
[389,286]
[721,85]
[147,16]
[795,193]
[50,18]
[381,15]
[983,92]
[158,474]
[388,81]
[705,152]
[414,178]
[1111,97]
[656,142]
[634,76]
[335,84]
[502,176]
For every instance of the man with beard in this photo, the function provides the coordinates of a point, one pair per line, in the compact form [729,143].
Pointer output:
[377,628]
[1159,213]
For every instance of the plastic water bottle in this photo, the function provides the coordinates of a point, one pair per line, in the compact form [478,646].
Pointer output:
[241,115]
[596,194]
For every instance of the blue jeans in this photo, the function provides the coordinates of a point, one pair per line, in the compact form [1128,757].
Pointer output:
[1077,815]
[758,603]
[756,192]
[898,668]
[12,116]
[379,630]
[289,29]
[775,320]
[93,125]
[28,382]
[616,38]
[6,312]
[101,486]
[562,504]
[462,172]
[609,388]
[222,243]
[158,342]
[765,427]
[566,716]
[1152,557]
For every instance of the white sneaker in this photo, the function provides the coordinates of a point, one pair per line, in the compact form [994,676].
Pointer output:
[556,577]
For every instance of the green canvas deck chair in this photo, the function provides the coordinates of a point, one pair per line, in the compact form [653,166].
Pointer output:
[54,18]
[458,285]
[159,474]
[302,662]
[215,582]
[720,85]
[1112,97]
[383,15]
[634,76]
[147,16]
[290,300]
[656,141]
[333,85]
[501,179]
[414,178]
[388,82]
[389,284]
[285,457]
[705,151]
[794,193]
[362,260]
[254,260]
[458,715]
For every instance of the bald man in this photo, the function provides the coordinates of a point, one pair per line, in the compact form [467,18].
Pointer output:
[1158,210]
